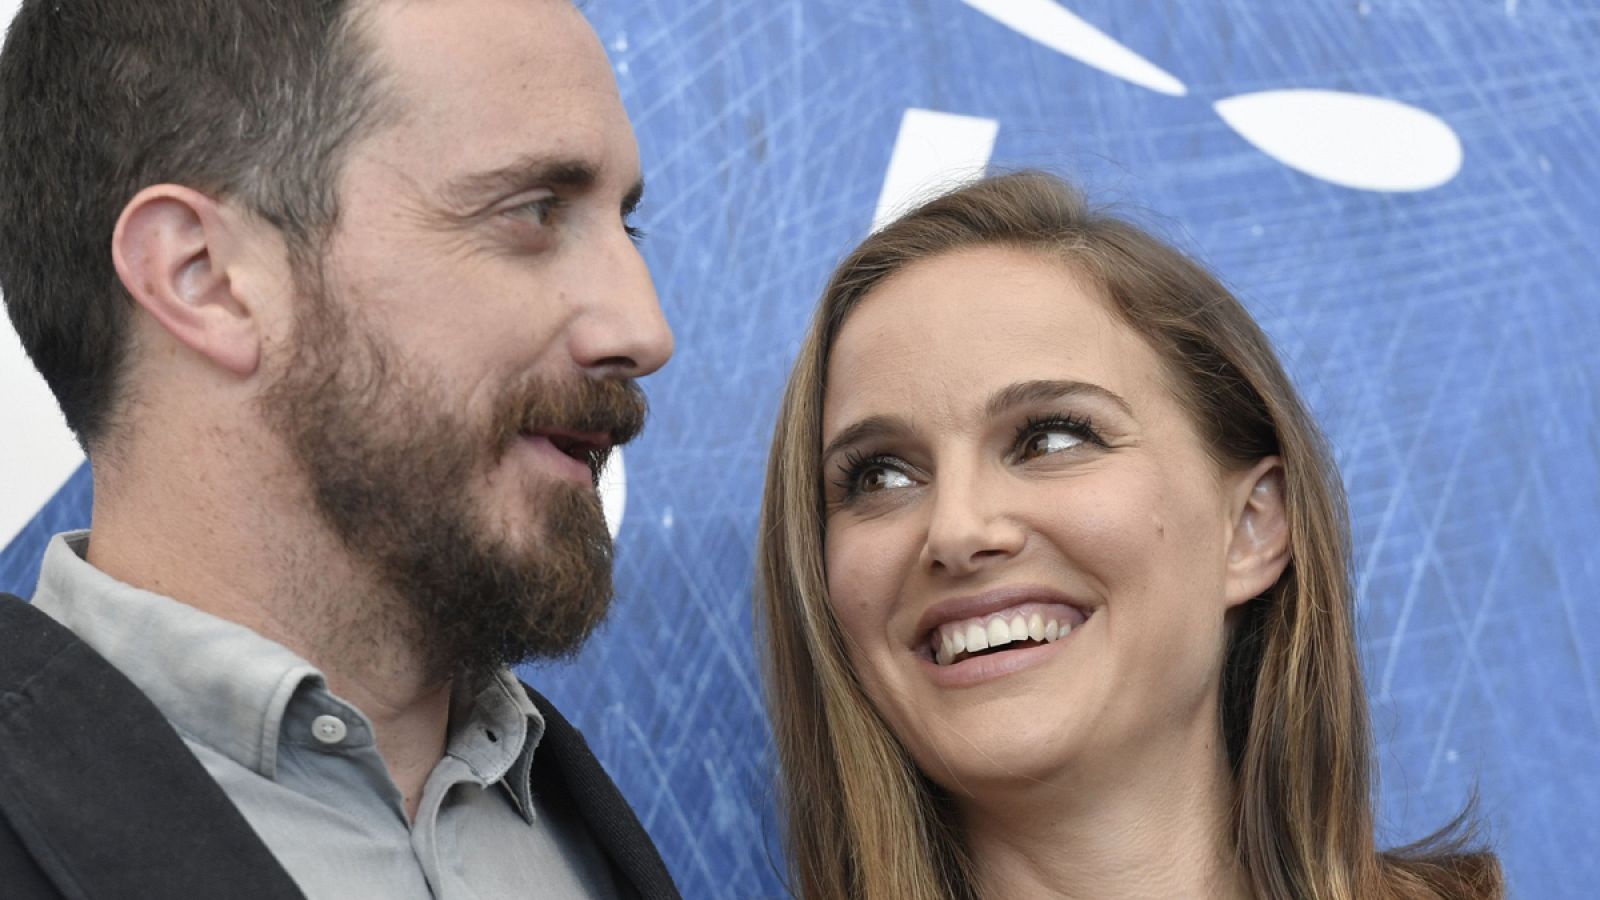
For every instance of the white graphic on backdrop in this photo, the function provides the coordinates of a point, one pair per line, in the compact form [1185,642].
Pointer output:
[1053,26]
[614,491]
[1351,140]
[933,152]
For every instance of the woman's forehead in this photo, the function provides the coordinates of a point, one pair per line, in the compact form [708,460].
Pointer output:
[941,336]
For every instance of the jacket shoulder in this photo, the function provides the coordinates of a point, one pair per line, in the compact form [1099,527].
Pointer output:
[98,793]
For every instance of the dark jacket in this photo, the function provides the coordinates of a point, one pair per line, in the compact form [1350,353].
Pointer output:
[81,820]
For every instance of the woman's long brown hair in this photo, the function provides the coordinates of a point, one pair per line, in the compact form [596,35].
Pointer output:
[864,824]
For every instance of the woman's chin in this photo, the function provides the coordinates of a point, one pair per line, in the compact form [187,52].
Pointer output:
[1011,749]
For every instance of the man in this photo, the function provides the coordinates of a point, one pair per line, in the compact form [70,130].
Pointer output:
[341,299]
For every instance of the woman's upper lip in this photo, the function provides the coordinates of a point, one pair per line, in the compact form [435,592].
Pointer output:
[973,606]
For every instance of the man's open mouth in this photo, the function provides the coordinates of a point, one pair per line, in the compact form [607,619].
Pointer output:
[590,448]
[583,447]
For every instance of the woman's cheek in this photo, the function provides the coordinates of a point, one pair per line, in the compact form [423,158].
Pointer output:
[868,564]
[856,575]
[1106,528]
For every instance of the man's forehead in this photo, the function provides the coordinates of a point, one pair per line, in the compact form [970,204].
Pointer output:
[488,87]
[438,57]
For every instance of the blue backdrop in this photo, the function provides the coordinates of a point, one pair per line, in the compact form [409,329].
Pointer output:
[1443,336]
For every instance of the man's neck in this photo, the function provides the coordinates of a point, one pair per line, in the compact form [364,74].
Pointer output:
[268,565]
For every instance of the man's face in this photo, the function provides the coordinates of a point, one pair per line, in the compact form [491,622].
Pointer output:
[462,358]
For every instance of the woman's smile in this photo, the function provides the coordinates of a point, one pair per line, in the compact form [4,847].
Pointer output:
[965,641]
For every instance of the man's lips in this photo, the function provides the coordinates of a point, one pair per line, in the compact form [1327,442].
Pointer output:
[577,455]
[577,444]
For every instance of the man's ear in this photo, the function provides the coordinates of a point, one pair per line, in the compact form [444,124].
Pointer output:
[168,248]
[1259,548]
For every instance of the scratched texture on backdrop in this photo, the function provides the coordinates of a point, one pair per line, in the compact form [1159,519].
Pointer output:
[1443,337]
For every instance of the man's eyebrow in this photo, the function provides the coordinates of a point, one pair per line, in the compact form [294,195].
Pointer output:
[866,430]
[522,174]
[1025,392]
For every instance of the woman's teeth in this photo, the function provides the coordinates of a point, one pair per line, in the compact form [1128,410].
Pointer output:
[955,641]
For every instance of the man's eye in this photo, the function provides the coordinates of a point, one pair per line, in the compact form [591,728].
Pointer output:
[539,211]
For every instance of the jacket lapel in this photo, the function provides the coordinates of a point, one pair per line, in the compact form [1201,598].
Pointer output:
[565,770]
[104,794]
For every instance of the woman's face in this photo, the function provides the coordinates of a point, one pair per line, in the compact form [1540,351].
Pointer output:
[1028,549]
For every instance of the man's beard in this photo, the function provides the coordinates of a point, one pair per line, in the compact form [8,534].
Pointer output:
[390,467]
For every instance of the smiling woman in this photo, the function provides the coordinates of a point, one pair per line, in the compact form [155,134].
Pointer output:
[1055,582]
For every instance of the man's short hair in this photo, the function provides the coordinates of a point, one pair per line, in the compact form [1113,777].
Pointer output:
[253,101]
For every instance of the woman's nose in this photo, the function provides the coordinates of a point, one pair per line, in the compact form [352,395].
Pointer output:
[968,527]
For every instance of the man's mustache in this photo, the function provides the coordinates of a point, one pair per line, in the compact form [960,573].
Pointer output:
[613,410]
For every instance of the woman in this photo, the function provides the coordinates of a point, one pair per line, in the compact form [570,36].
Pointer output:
[1055,581]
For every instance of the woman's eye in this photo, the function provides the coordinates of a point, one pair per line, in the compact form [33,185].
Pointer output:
[863,474]
[880,478]
[1043,437]
[1044,443]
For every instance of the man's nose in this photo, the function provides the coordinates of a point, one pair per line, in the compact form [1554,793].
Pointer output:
[620,329]
[968,528]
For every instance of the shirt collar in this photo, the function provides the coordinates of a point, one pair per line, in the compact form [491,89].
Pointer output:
[497,737]
[222,685]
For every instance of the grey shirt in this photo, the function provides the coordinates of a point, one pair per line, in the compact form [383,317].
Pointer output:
[302,765]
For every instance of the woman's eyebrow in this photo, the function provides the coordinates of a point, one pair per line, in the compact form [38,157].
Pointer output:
[1026,392]
[1000,402]
[868,429]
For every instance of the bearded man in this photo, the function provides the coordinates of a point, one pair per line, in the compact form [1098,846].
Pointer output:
[341,299]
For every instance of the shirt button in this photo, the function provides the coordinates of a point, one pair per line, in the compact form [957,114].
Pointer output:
[328,729]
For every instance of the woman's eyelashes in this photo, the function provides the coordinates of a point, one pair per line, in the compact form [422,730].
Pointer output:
[1040,436]
[863,473]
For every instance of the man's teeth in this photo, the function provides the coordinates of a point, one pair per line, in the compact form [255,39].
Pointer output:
[958,639]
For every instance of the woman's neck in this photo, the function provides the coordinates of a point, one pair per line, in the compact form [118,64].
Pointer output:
[1157,831]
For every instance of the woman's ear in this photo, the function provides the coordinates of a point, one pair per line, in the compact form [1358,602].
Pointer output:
[1259,548]
[167,248]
